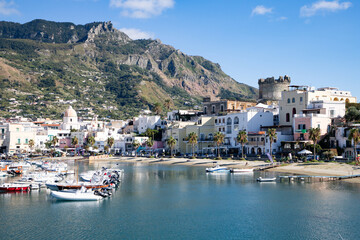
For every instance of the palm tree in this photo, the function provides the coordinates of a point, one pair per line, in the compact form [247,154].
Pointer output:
[218,140]
[150,144]
[54,141]
[272,135]
[192,138]
[110,141]
[167,104]
[91,140]
[75,141]
[157,108]
[355,137]
[136,145]
[314,135]
[171,142]
[31,144]
[242,139]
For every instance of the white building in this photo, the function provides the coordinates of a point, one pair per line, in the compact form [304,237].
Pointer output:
[301,98]
[145,122]
[70,120]
[250,121]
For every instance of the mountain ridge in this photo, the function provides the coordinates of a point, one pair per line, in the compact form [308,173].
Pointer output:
[58,54]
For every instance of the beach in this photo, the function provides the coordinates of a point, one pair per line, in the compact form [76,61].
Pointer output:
[312,169]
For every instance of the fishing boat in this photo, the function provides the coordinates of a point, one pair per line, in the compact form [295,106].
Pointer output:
[82,194]
[217,168]
[242,170]
[260,179]
[14,187]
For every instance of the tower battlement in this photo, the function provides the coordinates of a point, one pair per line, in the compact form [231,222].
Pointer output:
[270,88]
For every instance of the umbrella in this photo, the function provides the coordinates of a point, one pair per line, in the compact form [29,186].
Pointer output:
[304,152]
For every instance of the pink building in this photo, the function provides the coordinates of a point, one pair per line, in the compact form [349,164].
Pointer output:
[302,123]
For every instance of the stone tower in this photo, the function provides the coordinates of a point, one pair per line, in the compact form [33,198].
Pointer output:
[270,88]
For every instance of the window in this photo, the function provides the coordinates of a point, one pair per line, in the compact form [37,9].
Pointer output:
[26,141]
[223,120]
[19,141]
[294,111]
[228,129]
[293,100]
[2,131]
[301,99]
[18,129]
[288,100]
[213,109]
[287,145]
[236,120]
[215,121]
[205,110]
[332,113]
[288,117]
[229,121]
[222,108]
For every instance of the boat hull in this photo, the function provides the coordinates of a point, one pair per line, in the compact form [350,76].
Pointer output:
[74,196]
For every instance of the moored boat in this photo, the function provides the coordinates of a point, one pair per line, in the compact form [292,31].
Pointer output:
[217,168]
[14,187]
[241,170]
[260,179]
[82,194]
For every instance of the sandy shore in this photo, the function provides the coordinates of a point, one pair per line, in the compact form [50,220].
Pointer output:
[312,169]
[190,162]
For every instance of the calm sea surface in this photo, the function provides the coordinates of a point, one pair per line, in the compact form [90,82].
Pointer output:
[179,202]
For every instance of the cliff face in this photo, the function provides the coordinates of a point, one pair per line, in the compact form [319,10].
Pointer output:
[77,61]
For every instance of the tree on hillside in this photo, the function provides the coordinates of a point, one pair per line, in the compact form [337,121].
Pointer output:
[193,139]
[314,135]
[242,139]
[218,140]
[354,136]
[171,142]
[352,114]
[157,108]
[271,135]
[167,104]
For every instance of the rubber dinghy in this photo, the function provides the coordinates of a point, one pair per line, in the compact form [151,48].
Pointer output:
[77,195]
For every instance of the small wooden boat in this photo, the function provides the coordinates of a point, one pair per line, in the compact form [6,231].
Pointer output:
[14,187]
[260,179]
[241,170]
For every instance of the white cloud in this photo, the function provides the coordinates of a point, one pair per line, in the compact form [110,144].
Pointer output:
[134,33]
[261,10]
[323,6]
[6,8]
[142,8]
[282,18]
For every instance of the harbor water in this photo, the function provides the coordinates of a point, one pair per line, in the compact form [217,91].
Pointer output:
[181,202]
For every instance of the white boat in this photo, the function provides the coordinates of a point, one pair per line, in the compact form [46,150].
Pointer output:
[260,179]
[79,195]
[217,168]
[3,174]
[242,170]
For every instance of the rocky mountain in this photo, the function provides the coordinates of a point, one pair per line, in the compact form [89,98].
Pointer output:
[99,70]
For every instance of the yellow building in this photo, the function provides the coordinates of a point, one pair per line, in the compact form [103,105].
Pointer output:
[204,129]
[299,97]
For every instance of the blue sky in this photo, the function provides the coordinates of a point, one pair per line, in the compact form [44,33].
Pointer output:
[315,42]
